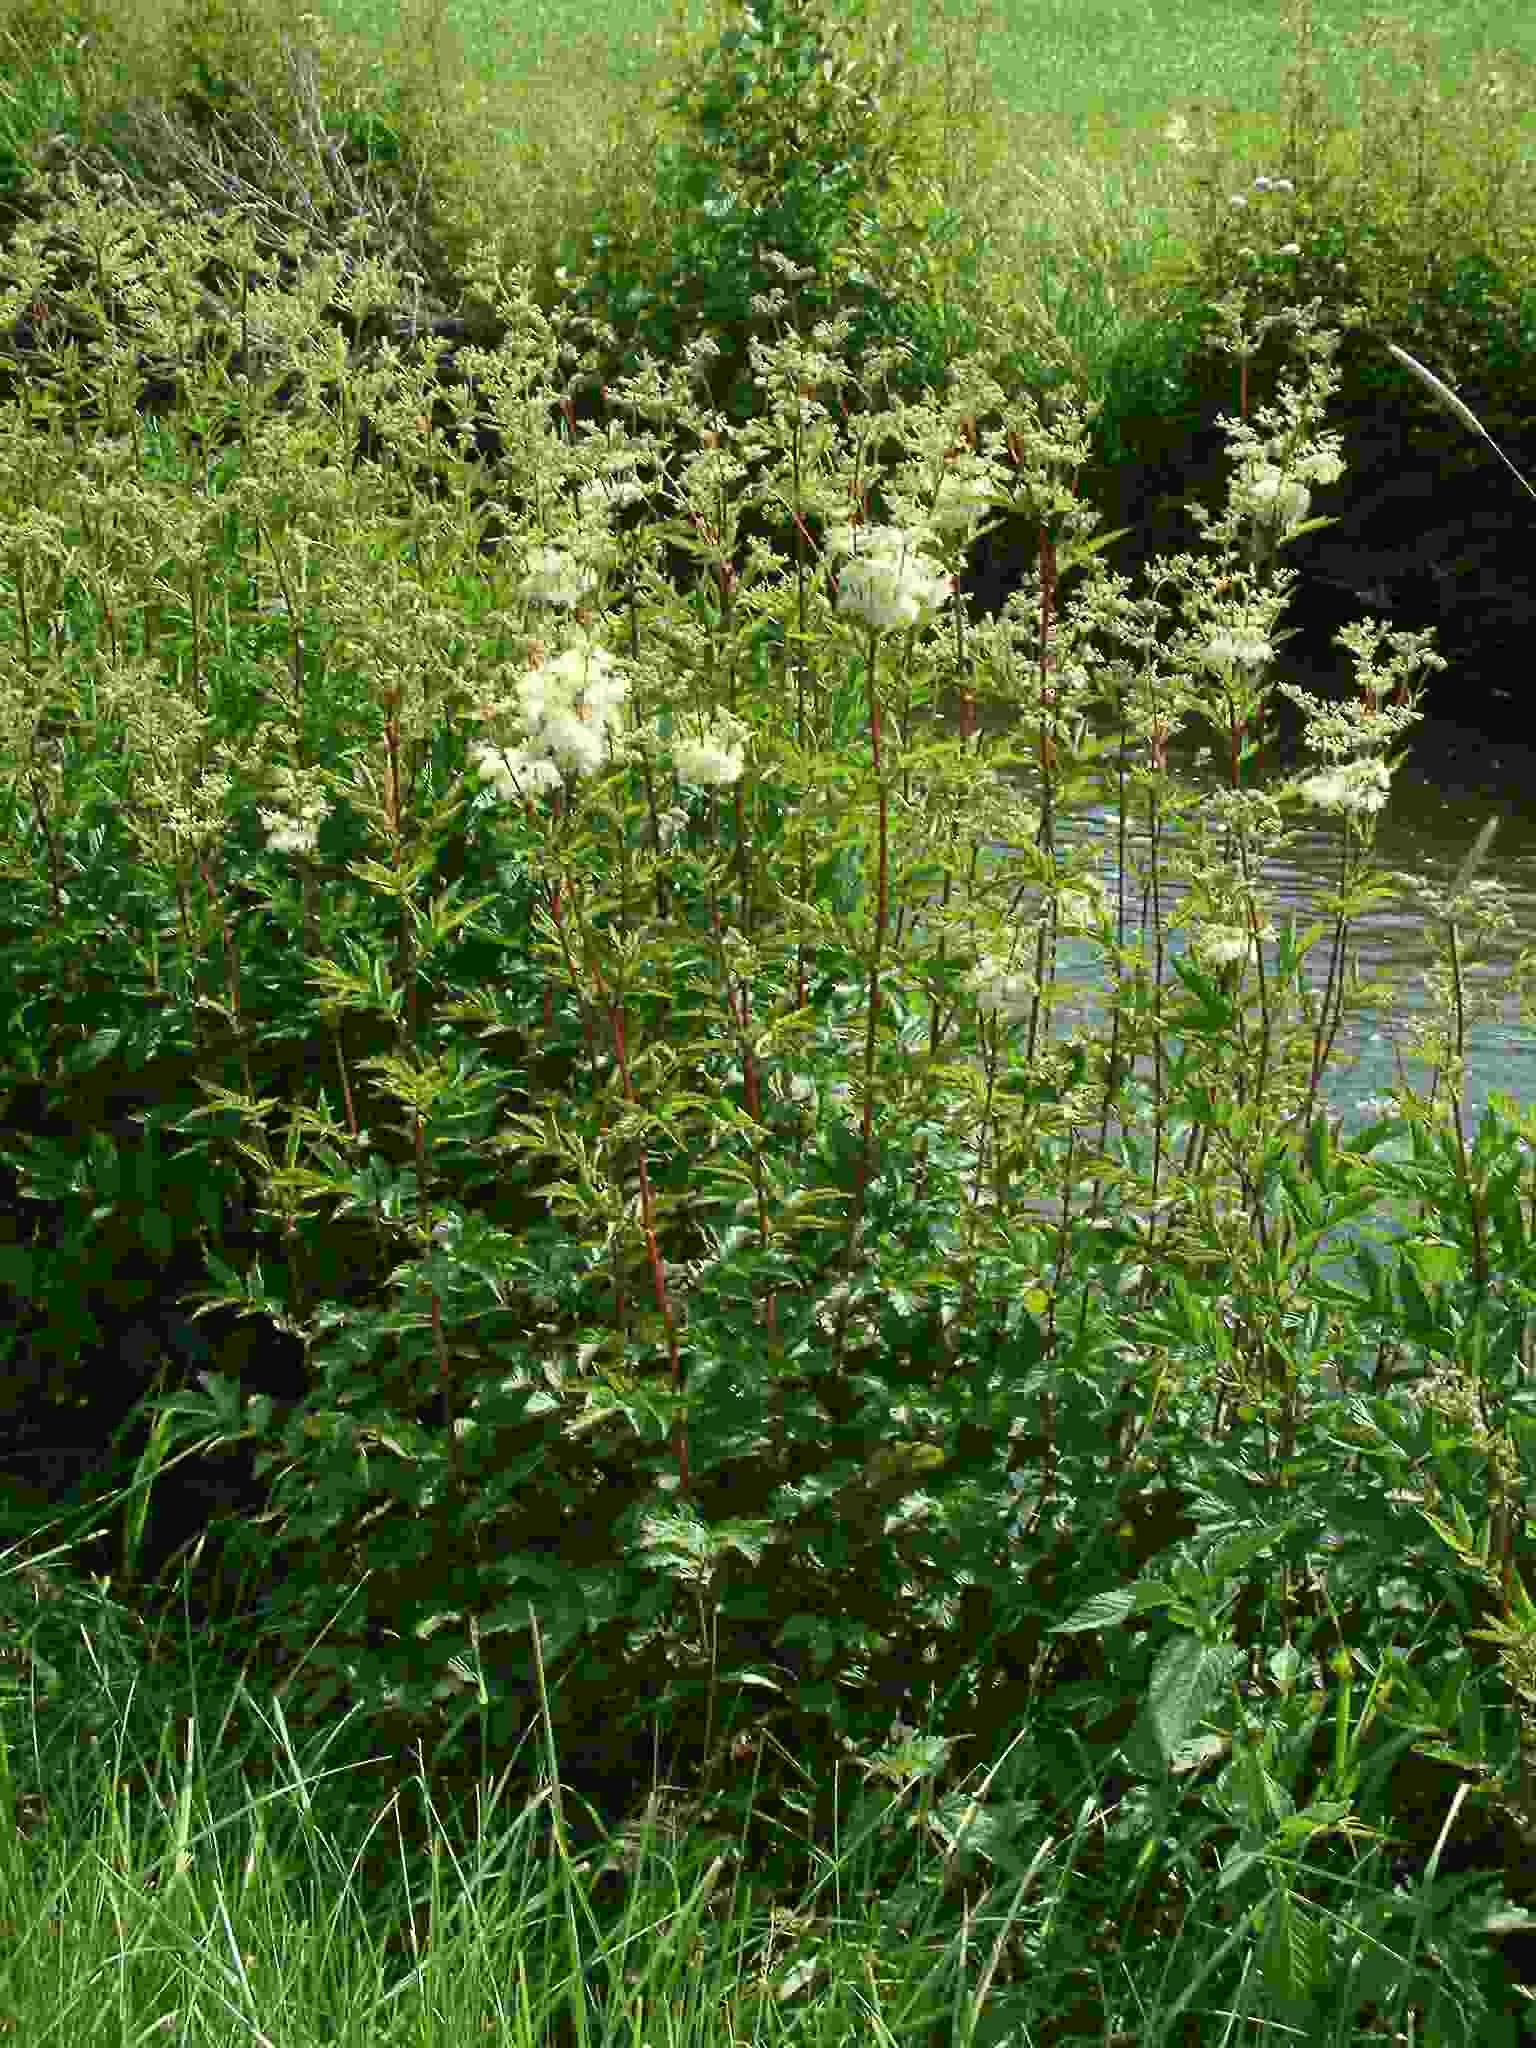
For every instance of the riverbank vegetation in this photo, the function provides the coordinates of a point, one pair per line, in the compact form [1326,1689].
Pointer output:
[772,1490]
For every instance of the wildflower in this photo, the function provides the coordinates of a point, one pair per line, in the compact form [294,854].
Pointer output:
[888,583]
[716,758]
[575,738]
[516,774]
[555,578]
[1010,995]
[288,835]
[670,827]
[1226,945]
[1350,786]
[572,704]
[1322,465]
[572,710]
[295,828]
[1249,648]
[1270,495]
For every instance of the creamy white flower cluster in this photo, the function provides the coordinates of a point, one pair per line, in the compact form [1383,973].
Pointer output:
[1082,906]
[555,577]
[572,711]
[888,583]
[714,757]
[1350,786]
[1251,649]
[1281,498]
[295,828]
[997,988]
[1225,945]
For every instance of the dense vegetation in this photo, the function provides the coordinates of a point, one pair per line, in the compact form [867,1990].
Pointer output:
[532,904]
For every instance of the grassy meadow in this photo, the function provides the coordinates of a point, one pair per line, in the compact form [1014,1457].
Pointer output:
[460,930]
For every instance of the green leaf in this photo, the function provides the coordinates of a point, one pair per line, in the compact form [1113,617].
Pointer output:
[158,1233]
[1232,1557]
[1292,1952]
[18,1270]
[1187,1676]
[1104,1610]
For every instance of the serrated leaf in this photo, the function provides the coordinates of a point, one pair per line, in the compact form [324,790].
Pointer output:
[1104,1610]
[1186,1677]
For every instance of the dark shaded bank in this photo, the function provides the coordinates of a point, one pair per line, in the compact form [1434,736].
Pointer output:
[1432,530]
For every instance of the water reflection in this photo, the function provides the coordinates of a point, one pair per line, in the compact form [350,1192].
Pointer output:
[1451,783]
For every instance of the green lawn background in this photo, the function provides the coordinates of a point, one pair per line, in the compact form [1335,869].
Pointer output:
[1099,76]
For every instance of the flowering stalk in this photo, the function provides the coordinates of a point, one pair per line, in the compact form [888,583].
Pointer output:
[653,1250]
[887,583]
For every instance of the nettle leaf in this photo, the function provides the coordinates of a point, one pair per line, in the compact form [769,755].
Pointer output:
[1187,1676]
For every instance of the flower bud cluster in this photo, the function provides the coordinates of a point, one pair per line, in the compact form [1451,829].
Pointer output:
[295,827]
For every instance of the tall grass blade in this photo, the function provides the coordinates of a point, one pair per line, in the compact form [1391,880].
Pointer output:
[1456,408]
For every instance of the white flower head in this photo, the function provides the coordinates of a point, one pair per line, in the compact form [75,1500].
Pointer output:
[533,697]
[715,757]
[670,827]
[575,739]
[554,577]
[870,540]
[1250,649]
[516,775]
[573,706]
[1273,498]
[1322,466]
[1225,945]
[288,835]
[1352,787]
[888,583]
[997,989]
[295,827]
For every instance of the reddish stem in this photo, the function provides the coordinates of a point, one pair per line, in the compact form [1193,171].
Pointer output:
[648,1212]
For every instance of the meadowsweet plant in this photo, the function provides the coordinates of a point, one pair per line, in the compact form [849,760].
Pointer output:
[615,966]
[733,1204]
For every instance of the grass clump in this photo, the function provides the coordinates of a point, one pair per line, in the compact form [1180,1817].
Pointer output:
[611,1034]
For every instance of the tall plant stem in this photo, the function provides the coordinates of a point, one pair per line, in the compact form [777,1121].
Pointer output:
[866,1155]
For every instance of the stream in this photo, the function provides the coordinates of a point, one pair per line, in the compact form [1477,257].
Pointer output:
[1451,782]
